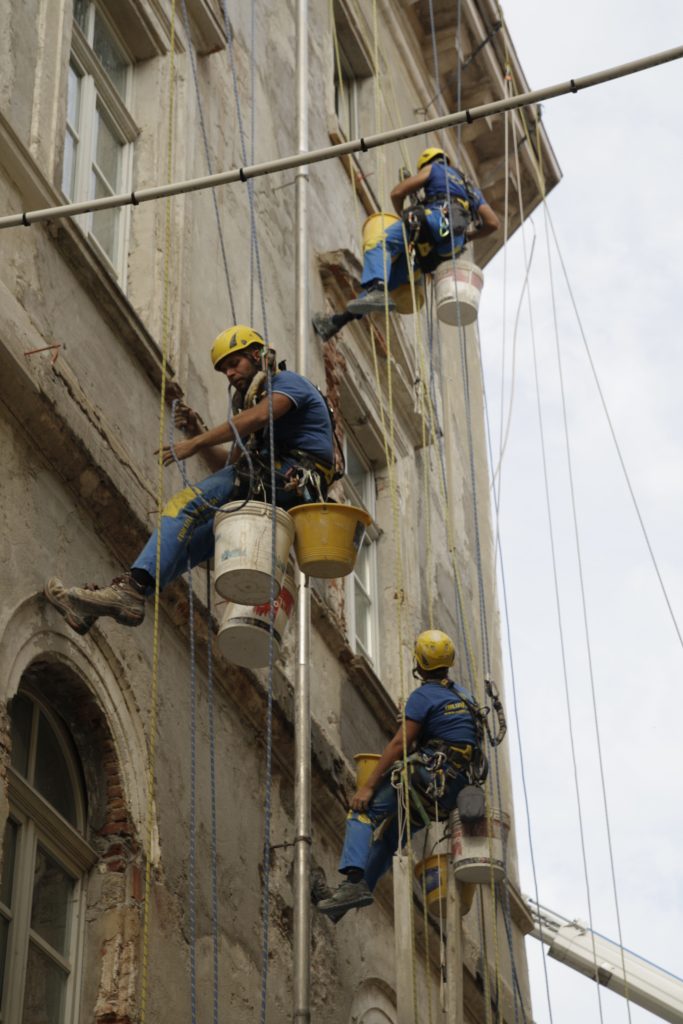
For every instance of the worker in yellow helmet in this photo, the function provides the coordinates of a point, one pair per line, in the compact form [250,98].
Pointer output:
[450,212]
[303,442]
[441,735]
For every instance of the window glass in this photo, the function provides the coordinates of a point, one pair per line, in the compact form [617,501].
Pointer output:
[45,989]
[52,778]
[107,152]
[73,107]
[52,894]
[21,717]
[9,850]
[81,12]
[110,55]
[355,470]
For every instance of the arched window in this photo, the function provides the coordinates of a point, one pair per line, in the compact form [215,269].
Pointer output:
[44,865]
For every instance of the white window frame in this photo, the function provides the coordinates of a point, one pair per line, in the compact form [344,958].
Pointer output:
[40,824]
[363,498]
[98,91]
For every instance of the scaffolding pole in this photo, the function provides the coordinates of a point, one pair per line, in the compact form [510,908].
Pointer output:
[305,158]
[302,704]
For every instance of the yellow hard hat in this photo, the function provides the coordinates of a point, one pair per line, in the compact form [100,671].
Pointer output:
[434,649]
[428,155]
[234,339]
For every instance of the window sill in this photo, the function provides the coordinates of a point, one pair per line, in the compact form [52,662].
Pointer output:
[90,268]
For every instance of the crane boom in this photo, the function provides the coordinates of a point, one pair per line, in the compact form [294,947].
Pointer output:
[618,969]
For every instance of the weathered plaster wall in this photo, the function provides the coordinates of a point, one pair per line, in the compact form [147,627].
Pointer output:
[78,472]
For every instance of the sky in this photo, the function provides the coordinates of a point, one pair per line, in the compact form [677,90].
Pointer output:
[619,224]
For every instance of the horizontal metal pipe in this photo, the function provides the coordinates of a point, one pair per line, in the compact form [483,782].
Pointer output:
[287,163]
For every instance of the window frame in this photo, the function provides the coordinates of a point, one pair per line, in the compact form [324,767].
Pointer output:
[40,824]
[99,97]
[365,498]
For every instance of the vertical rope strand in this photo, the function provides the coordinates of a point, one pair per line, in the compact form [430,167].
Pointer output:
[154,684]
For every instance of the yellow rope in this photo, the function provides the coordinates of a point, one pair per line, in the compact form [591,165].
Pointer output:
[154,695]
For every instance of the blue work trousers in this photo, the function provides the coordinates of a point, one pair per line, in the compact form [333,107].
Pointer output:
[187,524]
[374,856]
[391,258]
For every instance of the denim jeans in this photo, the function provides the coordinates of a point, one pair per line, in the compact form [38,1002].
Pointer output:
[374,856]
[187,524]
[376,265]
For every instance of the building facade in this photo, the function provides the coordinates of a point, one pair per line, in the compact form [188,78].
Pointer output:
[105,879]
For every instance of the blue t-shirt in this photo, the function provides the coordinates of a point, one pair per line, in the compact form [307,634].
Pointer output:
[438,185]
[443,713]
[307,426]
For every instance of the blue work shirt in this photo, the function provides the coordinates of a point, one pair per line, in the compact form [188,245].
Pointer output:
[307,426]
[444,180]
[443,713]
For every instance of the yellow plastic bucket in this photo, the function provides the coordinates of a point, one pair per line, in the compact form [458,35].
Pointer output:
[328,537]
[435,871]
[365,766]
[373,230]
[243,550]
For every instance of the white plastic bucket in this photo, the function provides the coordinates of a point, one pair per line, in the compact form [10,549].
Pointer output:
[243,636]
[243,551]
[478,847]
[458,290]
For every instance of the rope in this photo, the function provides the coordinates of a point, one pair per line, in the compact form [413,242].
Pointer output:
[154,685]
[207,153]
[525,791]
[192,867]
[214,812]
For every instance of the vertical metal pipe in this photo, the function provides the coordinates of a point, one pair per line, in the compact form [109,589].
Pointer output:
[454,945]
[302,704]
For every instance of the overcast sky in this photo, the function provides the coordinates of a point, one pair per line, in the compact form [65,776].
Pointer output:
[619,220]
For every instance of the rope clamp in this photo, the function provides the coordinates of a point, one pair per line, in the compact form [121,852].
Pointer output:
[362,145]
[468,117]
[243,176]
[573,86]
[134,199]
[25,221]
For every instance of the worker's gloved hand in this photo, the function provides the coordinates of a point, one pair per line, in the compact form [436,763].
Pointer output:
[185,418]
[361,798]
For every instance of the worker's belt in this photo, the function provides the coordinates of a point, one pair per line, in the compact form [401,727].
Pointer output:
[310,462]
[458,755]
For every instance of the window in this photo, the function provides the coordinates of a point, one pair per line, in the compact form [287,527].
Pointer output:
[44,862]
[362,593]
[99,131]
[352,71]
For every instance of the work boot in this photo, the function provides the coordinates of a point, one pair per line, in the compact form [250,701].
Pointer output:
[326,326]
[320,890]
[57,595]
[123,600]
[345,897]
[372,300]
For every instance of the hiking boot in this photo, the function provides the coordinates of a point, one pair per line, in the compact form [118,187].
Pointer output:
[345,897]
[122,600]
[326,326]
[372,300]
[320,890]
[57,595]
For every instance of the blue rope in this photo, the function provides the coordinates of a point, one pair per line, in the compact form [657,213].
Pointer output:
[193,802]
[273,592]
[207,153]
[214,814]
